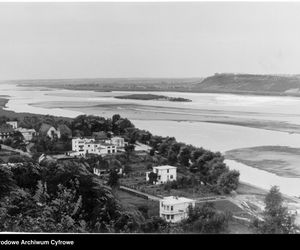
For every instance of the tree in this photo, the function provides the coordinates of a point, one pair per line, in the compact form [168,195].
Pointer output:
[228,181]
[113,180]
[206,219]
[184,156]
[129,149]
[276,217]
[152,177]
[7,182]
[172,157]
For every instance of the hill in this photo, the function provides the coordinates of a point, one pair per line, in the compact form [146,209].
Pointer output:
[247,83]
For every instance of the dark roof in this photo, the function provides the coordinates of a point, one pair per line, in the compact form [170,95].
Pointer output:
[64,129]
[44,128]
[100,135]
[5,128]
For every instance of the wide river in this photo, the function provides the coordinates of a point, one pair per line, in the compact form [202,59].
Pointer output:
[178,119]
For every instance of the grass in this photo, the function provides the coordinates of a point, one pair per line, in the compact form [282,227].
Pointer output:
[131,201]
[4,155]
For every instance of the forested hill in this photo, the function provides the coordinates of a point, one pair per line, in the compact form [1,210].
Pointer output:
[247,83]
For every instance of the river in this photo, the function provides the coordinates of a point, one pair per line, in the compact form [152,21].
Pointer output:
[216,137]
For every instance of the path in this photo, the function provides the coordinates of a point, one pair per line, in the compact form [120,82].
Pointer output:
[5,147]
[141,194]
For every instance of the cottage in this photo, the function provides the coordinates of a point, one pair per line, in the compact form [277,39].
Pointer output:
[27,133]
[50,131]
[118,141]
[65,131]
[6,131]
[174,209]
[14,124]
[164,174]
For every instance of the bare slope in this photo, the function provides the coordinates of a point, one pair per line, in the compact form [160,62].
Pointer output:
[247,83]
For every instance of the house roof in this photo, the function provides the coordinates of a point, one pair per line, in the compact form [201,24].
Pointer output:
[171,200]
[100,135]
[165,167]
[45,128]
[64,129]
[24,130]
[6,129]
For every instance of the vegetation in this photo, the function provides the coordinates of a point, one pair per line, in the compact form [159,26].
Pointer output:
[276,218]
[67,197]
[153,97]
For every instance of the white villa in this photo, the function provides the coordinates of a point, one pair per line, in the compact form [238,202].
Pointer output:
[14,124]
[82,146]
[118,141]
[164,174]
[174,209]
[27,133]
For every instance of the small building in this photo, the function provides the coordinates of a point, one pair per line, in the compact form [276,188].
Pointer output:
[174,209]
[118,141]
[14,124]
[27,133]
[83,146]
[50,131]
[6,131]
[64,130]
[164,174]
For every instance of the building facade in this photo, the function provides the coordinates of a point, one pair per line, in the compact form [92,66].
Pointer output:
[83,146]
[14,124]
[164,174]
[27,133]
[175,209]
[118,141]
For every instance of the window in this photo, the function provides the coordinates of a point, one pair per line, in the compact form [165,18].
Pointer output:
[168,217]
[171,208]
[172,217]
[171,176]
[167,170]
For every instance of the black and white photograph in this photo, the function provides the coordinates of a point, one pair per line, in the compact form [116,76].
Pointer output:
[149,118]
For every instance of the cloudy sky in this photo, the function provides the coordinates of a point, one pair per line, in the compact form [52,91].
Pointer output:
[79,40]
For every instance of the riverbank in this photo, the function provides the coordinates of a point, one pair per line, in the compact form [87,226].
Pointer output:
[282,161]
[157,113]
[20,115]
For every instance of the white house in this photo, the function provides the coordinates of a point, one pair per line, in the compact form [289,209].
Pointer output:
[14,124]
[50,131]
[164,174]
[82,146]
[27,133]
[118,141]
[174,209]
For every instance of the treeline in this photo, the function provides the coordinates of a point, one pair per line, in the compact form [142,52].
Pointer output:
[208,167]
[67,197]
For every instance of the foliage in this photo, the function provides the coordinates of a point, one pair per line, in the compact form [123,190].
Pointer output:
[206,219]
[276,217]
[152,177]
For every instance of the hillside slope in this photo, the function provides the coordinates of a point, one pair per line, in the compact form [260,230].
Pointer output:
[264,84]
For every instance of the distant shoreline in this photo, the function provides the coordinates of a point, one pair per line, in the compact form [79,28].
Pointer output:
[183,90]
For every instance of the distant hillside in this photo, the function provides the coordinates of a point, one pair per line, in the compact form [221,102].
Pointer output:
[247,83]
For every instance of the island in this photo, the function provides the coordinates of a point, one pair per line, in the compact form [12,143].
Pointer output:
[153,97]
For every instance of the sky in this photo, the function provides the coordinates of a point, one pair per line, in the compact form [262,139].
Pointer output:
[196,39]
